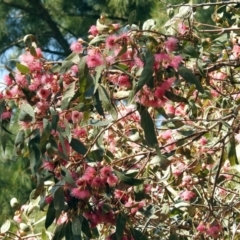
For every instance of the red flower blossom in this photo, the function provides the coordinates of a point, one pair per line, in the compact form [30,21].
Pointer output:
[80,194]
[76,47]
[94,60]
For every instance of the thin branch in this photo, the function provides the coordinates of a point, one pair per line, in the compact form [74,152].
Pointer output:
[2,50]
[219,31]
[229,63]
[202,4]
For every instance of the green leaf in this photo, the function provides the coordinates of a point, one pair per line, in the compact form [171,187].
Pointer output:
[128,180]
[232,155]
[82,76]
[69,234]
[78,146]
[19,140]
[106,102]
[67,176]
[6,226]
[68,95]
[66,65]
[44,235]
[50,216]
[47,128]
[98,104]
[120,225]
[59,232]
[190,51]
[188,75]
[33,51]
[97,39]
[96,155]
[132,17]
[22,68]
[222,39]
[26,113]
[148,128]
[34,153]
[175,98]
[147,72]
[55,119]
[85,227]
[58,199]
[99,123]
[76,227]
[29,95]
[137,234]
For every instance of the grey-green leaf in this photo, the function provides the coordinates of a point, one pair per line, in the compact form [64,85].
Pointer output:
[188,75]
[147,70]
[148,128]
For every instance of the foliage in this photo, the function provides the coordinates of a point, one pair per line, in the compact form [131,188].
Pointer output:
[135,135]
[55,23]
[15,178]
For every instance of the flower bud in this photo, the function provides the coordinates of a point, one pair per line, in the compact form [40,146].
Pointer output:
[24,227]
[14,203]
[170,12]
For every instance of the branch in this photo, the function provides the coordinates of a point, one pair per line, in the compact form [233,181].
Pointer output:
[2,50]
[219,31]
[202,4]
[230,63]
[96,16]
[43,12]
[18,6]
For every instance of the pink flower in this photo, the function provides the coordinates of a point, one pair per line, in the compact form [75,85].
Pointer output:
[94,60]
[161,57]
[80,132]
[48,166]
[186,180]
[74,69]
[110,59]
[236,51]
[112,180]
[123,37]
[201,227]
[123,81]
[48,199]
[187,195]
[76,116]
[214,230]
[182,28]
[110,41]
[171,44]
[80,194]
[6,115]
[93,30]
[8,80]
[62,219]
[105,172]
[166,134]
[89,174]
[27,58]
[176,61]
[203,141]
[76,47]
[43,93]
[138,62]
[97,182]
[237,137]
[20,79]
[17,218]
[116,26]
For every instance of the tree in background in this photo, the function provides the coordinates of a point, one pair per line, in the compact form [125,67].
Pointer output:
[135,135]
[54,23]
